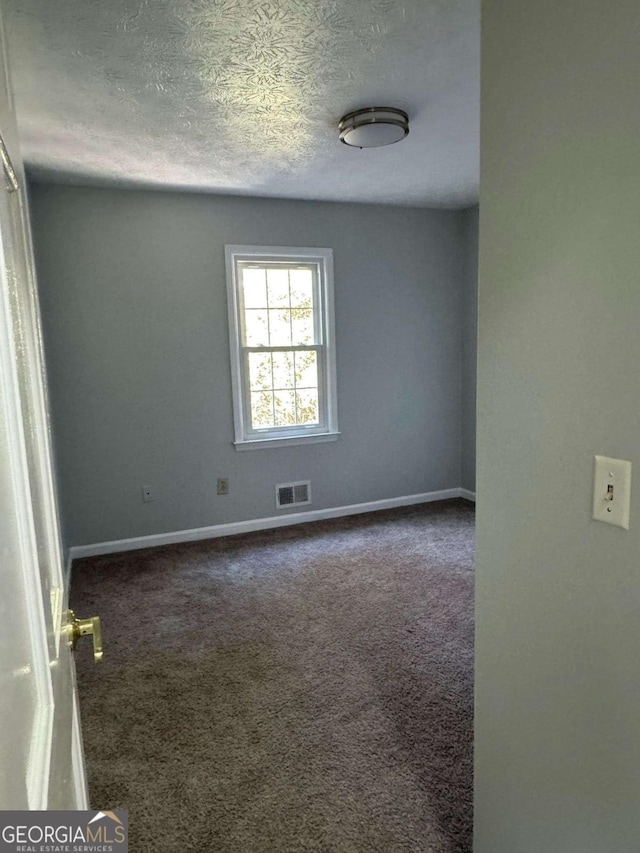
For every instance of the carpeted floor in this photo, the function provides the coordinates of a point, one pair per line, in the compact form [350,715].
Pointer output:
[305,689]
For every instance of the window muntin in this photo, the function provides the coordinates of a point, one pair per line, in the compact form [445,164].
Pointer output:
[281,312]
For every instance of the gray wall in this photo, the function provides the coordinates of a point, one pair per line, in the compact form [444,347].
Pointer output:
[469,347]
[558,595]
[134,306]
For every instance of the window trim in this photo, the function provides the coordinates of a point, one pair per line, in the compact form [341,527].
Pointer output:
[285,436]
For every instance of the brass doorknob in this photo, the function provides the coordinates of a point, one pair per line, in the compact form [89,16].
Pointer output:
[77,628]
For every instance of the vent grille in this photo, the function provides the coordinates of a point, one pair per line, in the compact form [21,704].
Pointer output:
[292,494]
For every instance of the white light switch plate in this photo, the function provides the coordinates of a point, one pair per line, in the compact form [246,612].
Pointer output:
[612,491]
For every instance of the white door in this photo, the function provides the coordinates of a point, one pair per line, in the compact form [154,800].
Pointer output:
[41,765]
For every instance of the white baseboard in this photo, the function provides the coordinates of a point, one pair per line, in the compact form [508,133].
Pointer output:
[216,530]
[465,493]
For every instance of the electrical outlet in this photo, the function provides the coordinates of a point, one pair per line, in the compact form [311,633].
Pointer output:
[223,486]
[147,494]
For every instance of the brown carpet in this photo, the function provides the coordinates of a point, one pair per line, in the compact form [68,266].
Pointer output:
[306,689]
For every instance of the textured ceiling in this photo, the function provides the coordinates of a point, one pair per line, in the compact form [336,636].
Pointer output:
[244,96]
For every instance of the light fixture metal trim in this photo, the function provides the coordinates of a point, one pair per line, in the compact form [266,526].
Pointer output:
[375,121]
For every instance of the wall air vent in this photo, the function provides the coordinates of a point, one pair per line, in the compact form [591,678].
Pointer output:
[292,494]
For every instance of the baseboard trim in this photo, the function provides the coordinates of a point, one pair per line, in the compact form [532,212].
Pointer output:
[470,496]
[233,528]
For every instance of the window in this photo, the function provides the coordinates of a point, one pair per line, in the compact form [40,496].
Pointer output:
[282,345]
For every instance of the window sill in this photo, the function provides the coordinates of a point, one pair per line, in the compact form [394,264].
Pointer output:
[264,443]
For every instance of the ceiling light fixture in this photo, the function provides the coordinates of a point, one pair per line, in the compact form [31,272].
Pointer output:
[372,127]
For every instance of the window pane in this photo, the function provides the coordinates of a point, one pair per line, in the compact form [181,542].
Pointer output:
[280,327]
[285,408]
[261,409]
[306,369]
[256,330]
[307,407]
[284,359]
[302,326]
[278,283]
[283,370]
[255,288]
[301,288]
[260,371]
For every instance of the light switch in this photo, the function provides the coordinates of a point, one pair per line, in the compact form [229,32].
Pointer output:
[612,491]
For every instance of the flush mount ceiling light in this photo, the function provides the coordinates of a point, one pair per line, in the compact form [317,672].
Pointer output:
[373,126]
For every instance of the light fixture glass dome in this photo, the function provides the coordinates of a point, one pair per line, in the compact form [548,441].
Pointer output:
[372,127]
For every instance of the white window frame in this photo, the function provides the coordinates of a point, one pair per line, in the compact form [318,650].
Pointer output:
[324,316]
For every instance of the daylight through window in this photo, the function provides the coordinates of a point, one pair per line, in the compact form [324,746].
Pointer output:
[281,315]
